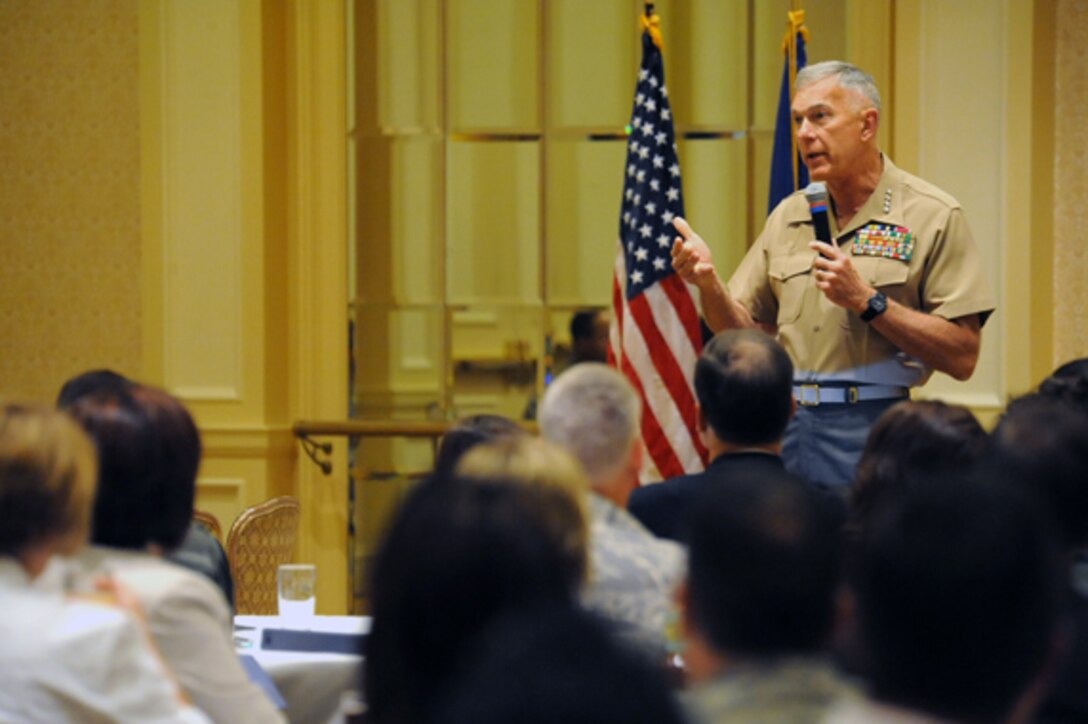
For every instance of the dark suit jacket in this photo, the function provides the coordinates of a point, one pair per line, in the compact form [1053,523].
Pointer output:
[663,507]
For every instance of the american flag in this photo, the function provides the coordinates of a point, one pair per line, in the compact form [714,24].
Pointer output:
[656,335]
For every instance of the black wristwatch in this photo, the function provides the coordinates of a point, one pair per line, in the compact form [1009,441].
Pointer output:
[878,304]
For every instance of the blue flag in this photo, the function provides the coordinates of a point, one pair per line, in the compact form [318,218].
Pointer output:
[787,172]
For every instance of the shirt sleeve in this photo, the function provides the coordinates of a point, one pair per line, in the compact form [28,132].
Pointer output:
[192,626]
[955,283]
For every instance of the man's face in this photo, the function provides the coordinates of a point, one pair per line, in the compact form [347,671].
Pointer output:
[834,129]
[601,328]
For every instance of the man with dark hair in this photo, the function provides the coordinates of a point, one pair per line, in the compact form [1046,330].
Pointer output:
[589,336]
[760,601]
[743,384]
[957,582]
[1041,442]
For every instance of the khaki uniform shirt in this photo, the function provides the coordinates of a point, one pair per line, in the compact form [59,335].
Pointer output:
[910,240]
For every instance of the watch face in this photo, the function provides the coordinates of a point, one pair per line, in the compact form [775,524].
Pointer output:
[877,305]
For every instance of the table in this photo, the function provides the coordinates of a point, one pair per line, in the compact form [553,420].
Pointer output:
[312,684]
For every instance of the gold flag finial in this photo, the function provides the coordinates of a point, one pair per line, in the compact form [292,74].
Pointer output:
[652,21]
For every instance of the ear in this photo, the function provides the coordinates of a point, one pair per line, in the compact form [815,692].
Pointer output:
[700,419]
[635,457]
[793,406]
[870,122]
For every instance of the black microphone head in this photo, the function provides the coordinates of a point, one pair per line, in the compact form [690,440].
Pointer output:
[816,193]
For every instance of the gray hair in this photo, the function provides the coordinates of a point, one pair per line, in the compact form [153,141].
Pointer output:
[593,412]
[848,76]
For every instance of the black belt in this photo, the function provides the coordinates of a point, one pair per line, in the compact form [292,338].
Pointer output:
[811,395]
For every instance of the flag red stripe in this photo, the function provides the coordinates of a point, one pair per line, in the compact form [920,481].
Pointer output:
[667,367]
[677,291]
[657,443]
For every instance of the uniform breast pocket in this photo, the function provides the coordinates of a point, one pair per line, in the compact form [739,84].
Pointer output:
[886,275]
[790,274]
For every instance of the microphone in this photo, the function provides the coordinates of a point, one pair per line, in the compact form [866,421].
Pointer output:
[816,193]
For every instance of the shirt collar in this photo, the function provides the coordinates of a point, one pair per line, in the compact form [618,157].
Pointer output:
[888,194]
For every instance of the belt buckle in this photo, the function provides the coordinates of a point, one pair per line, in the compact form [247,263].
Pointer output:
[852,395]
[806,401]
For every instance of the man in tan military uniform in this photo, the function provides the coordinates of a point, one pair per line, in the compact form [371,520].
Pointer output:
[900,293]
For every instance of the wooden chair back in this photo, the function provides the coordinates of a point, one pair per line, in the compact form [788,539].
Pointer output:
[210,523]
[260,540]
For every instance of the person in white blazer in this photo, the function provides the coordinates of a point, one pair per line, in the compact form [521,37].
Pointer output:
[149,453]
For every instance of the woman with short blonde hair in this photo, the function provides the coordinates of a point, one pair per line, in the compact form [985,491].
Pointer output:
[64,659]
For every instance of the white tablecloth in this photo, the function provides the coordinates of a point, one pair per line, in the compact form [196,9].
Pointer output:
[311,683]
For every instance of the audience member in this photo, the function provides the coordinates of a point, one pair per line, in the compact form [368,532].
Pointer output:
[199,551]
[455,559]
[1042,443]
[593,412]
[552,479]
[912,440]
[1069,382]
[760,601]
[64,658]
[148,456]
[558,664]
[957,585]
[744,388]
[589,330]
[466,434]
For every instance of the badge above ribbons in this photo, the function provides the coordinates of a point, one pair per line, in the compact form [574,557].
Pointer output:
[884,240]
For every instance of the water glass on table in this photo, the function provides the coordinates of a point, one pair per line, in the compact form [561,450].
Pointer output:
[297,583]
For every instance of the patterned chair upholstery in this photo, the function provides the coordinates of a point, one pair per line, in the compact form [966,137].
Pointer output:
[210,523]
[260,539]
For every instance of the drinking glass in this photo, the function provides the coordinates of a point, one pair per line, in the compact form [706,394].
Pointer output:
[296,583]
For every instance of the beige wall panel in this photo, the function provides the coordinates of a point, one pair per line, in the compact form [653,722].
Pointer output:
[399,350]
[70,295]
[494,349]
[967,154]
[202,204]
[493,64]
[417,220]
[494,222]
[768,30]
[761,148]
[868,29]
[585,185]
[1071,183]
[716,196]
[827,24]
[592,55]
[399,220]
[492,333]
[242,468]
[409,38]
[716,92]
